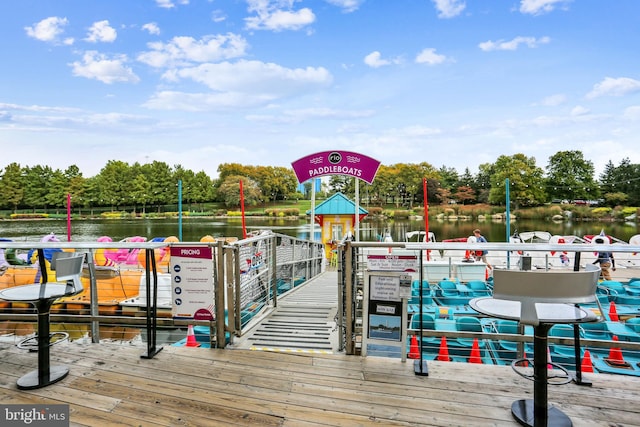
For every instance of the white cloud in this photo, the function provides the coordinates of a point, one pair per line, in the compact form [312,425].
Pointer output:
[449,8]
[256,77]
[101,31]
[305,114]
[151,28]
[186,50]
[614,87]
[169,4]
[98,66]
[531,42]
[174,100]
[241,84]
[271,15]
[632,113]
[218,16]
[554,100]
[374,60]
[579,110]
[346,5]
[538,7]
[430,57]
[48,29]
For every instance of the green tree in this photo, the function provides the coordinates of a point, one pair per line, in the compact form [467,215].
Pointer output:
[140,192]
[75,185]
[202,187]
[525,179]
[113,182]
[37,186]
[275,182]
[12,186]
[624,178]
[91,193]
[164,188]
[230,191]
[483,182]
[57,195]
[449,178]
[570,176]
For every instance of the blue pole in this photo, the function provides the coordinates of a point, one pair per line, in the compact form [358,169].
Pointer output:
[180,210]
[507,195]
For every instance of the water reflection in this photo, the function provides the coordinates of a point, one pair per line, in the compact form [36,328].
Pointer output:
[371,229]
[13,332]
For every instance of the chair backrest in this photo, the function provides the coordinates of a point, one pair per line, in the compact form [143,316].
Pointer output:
[428,322]
[68,267]
[447,284]
[504,326]
[468,324]
[531,287]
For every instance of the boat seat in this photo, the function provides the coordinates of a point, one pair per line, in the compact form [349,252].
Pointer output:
[506,326]
[468,324]
[634,323]
[448,285]
[477,285]
[428,322]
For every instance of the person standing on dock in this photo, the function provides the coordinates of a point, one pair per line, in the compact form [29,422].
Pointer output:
[481,255]
[605,259]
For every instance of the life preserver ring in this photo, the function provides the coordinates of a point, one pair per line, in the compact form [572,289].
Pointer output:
[557,240]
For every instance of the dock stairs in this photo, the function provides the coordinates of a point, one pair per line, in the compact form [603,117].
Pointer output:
[304,320]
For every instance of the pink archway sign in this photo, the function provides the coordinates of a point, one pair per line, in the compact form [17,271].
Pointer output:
[336,162]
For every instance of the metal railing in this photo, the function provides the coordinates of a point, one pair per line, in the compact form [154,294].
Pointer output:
[248,277]
[449,256]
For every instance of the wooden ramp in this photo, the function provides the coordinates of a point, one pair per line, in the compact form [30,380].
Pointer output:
[304,320]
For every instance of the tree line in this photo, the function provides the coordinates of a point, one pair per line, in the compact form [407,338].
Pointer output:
[567,176]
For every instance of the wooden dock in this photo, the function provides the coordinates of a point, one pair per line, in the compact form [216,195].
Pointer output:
[110,385]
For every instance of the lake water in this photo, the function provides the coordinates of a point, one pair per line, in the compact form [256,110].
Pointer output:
[194,228]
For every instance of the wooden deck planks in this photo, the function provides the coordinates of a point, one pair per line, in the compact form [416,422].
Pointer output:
[109,384]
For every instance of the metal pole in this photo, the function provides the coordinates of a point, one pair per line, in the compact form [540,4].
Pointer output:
[508,201]
[356,227]
[180,210]
[313,210]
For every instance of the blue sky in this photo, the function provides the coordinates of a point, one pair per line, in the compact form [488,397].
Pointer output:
[266,82]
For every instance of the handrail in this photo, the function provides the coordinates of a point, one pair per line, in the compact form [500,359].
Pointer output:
[355,267]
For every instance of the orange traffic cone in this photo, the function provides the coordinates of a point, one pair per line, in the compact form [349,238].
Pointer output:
[613,313]
[615,356]
[191,338]
[586,365]
[475,356]
[414,350]
[525,361]
[443,352]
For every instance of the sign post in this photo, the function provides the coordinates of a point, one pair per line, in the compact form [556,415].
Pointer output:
[385,325]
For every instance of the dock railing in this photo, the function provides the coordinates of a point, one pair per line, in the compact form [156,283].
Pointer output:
[260,269]
[133,301]
[444,258]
